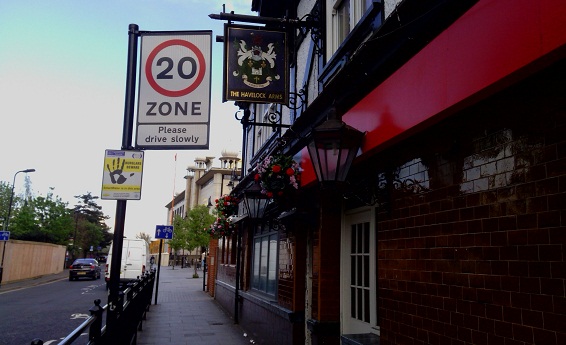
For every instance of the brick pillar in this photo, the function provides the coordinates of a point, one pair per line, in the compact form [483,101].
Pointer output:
[325,326]
[212,262]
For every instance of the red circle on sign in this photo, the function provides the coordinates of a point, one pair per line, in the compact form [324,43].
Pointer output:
[192,86]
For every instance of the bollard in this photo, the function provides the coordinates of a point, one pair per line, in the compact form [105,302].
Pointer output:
[94,332]
[37,341]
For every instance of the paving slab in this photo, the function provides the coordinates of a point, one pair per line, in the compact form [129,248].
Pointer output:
[186,315]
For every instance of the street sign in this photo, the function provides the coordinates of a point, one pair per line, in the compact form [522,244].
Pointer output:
[174,90]
[164,232]
[4,235]
[122,175]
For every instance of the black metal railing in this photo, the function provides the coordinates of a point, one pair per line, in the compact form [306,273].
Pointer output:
[130,311]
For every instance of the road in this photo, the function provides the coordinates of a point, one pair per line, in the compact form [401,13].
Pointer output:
[49,312]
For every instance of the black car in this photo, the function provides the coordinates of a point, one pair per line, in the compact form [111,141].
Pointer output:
[84,268]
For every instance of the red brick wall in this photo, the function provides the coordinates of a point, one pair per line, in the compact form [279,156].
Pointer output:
[212,268]
[329,262]
[472,224]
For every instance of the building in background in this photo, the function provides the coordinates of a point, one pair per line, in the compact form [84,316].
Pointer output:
[204,184]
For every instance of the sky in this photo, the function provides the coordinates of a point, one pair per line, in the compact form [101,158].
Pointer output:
[62,94]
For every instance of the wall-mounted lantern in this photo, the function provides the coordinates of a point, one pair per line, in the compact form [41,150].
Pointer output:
[255,202]
[333,148]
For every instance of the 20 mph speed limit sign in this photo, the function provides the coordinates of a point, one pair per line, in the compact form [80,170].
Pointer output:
[174,90]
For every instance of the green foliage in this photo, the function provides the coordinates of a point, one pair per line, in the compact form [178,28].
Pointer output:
[41,219]
[191,232]
[91,236]
[5,190]
[47,219]
[199,221]
[90,226]
[180,237]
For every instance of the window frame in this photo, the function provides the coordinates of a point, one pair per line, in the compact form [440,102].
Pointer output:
[356,9]
[267,237]
[366,18]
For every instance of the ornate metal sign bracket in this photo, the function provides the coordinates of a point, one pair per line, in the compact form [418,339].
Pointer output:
[311,22]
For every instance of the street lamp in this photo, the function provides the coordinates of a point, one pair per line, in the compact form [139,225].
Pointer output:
[12,196]
[8,218]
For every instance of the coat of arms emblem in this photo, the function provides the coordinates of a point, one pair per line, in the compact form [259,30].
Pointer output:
[256,62]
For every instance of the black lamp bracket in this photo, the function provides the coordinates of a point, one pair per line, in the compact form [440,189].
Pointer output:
[297,100]
[314,25]
[311,21]
[273,119]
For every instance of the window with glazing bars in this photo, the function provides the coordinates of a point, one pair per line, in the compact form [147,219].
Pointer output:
[360,272]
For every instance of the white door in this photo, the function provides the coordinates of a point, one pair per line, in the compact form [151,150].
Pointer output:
[358,273]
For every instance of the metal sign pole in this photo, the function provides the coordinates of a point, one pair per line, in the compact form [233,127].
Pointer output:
[158,270]
[127,134]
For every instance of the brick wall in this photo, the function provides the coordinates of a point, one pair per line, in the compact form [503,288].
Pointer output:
[212,261]
[472,228]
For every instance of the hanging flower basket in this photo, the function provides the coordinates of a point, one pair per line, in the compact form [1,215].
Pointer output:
[221,227]
[226,206]
[278,176]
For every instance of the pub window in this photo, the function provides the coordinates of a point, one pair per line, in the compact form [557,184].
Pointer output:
[264,270]
[228,255]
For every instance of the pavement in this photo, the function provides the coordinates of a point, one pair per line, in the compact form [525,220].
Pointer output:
[184,313]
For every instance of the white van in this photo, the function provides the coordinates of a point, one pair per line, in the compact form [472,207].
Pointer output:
[134,260]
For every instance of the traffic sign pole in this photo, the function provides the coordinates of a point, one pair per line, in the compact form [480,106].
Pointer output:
[158,270]
[127,134]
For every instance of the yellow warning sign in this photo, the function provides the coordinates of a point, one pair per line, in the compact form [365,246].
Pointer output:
[122,175]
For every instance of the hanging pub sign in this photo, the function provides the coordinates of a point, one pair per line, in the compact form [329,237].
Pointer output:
[255,69]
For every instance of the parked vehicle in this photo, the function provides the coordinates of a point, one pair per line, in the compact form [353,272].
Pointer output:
[84,268]
[134,260]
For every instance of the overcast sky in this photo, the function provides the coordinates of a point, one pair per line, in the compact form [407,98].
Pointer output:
[62,87]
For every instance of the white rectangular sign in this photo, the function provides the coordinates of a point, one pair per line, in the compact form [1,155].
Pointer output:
[151,135]
[174,90]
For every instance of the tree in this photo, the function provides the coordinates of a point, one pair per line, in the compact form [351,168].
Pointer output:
[90,227]
[5,191]
[145,237]
[53,218]
[179,240]
[198,221]
[47,219]
[42,219]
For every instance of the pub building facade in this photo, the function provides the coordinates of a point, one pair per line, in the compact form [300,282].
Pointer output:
[449,225]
